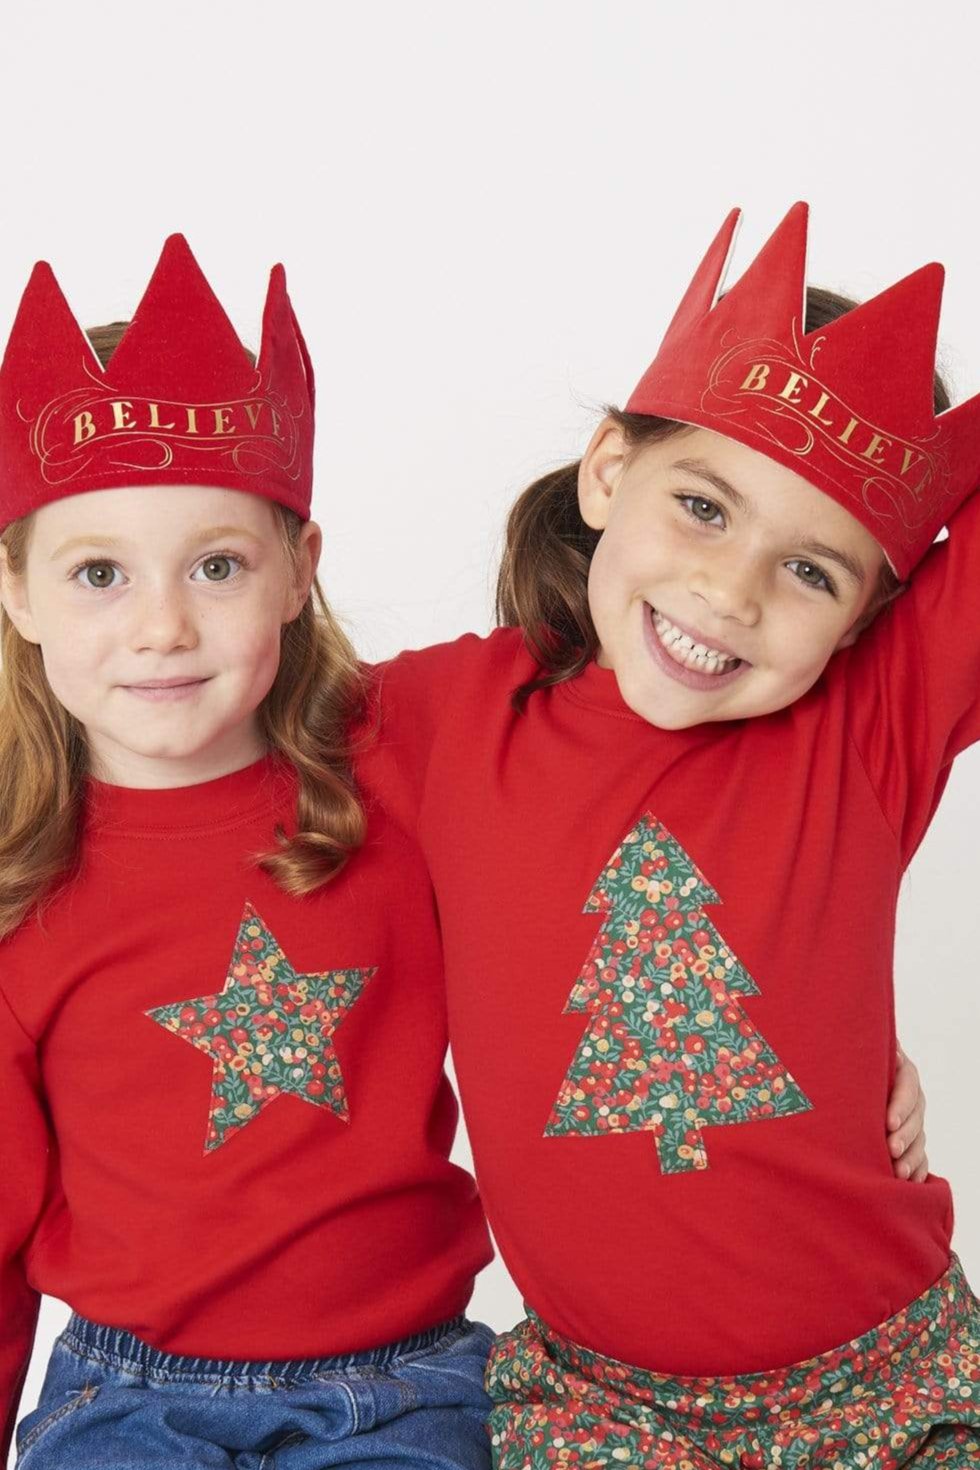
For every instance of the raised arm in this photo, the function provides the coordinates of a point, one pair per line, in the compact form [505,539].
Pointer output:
[914,680]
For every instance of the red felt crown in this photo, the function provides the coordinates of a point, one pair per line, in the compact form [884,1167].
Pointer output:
[848,406]
[179,403]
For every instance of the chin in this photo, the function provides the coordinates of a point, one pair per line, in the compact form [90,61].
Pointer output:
[159,746]
[665,721]
[665,714]
[156,752]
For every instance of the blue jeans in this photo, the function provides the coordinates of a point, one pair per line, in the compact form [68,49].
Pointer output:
[112,1402]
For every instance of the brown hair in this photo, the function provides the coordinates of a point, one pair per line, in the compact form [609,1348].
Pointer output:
[542,586]
[317,695]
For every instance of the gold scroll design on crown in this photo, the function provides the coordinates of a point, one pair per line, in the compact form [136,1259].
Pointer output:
[256,433]
[778,391]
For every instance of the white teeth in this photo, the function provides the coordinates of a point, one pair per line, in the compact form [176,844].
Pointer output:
[686,652]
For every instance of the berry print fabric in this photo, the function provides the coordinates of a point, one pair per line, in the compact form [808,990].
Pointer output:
[669,1048]
[905,1393]
[268,1032]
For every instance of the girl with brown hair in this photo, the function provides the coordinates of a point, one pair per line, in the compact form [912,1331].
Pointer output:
[667,808]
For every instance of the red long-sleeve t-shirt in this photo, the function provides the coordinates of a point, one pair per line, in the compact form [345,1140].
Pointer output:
[224,1121]
[669,967]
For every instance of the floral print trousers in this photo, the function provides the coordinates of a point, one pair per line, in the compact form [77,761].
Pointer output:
[906,1393]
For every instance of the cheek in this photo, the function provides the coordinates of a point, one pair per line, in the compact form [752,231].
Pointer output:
[249,641]
[814,635]
[74,646]
[75,674]
[627,556]
[804,647]
[603,588]
[242,619]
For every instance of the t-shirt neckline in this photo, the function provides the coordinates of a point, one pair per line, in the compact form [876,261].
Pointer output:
[204,805]
[597,688]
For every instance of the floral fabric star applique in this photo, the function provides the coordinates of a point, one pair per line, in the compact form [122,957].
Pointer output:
[268,1032]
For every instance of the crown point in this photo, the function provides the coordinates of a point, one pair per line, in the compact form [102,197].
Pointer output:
[181,384]
[850,404]
[44,312]
[276,296]
[798,216]
[177,254]
[703,291]
[43,278]
[282,340]
[773,285]
[899,326]
[157,346]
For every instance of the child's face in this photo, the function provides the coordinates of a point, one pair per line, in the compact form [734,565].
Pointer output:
[184,583]
[743,555]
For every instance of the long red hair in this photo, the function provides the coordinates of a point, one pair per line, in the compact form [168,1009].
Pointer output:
[307,716]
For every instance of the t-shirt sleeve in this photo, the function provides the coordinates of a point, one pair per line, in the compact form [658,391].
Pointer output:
[24,1138]
[394,743]
[409,709]
[914,680]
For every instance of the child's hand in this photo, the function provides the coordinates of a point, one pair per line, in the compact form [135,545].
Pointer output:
[906,1115]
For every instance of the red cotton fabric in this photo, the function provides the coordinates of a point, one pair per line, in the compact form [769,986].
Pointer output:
[180,403]
[849,405]
[297,1233]
[796,1237]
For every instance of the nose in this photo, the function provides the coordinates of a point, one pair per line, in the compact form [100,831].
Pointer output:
[162,619]
[729,582]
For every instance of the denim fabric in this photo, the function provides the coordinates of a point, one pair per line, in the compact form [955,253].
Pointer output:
[112,1402]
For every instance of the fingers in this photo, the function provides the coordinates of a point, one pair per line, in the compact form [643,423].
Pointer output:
[900,1139]
[913,1164]
[906,1093]
[908,1145]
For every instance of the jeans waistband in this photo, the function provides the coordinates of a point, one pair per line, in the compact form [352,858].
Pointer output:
[117,1348]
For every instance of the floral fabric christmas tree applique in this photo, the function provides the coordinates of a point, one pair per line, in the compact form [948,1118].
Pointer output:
[668,1048]
[269,1031]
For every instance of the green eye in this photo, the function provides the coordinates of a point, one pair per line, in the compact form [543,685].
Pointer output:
[93,566]
[219,562]
[822,581]
[689,501]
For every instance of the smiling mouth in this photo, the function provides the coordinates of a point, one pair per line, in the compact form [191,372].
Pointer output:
[700,658]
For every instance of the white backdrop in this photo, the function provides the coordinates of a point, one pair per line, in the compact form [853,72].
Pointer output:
[487,214]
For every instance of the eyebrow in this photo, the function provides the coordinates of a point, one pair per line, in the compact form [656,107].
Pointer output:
[209,533]
[699,467]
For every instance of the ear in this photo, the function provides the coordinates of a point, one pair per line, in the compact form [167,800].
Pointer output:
[599,472]
[867,618]
[13,597]
[308,549]
[853,634]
